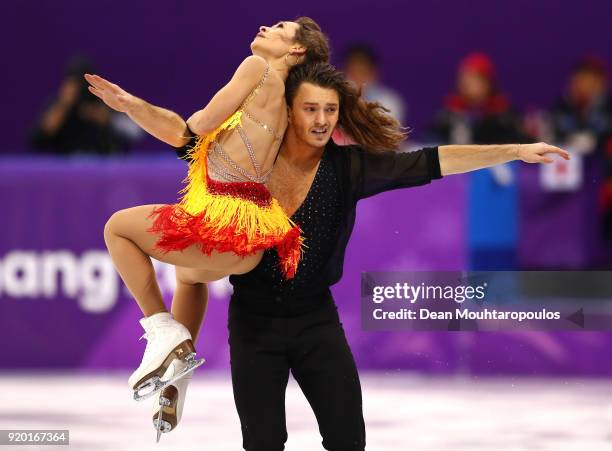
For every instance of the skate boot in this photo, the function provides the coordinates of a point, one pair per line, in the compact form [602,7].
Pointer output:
[167,341]
[168,404]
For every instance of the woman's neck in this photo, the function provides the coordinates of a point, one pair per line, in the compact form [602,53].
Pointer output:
[279,67]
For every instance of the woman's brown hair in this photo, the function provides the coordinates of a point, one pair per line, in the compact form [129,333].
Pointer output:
[309,34]
[368,123]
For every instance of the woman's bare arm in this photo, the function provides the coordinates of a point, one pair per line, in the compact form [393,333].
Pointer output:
[229,98]
[168,126]
[164,124]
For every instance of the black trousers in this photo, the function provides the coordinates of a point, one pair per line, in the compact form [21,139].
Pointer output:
[270,338]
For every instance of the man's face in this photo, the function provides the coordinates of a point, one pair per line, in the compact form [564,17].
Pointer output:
[314,114]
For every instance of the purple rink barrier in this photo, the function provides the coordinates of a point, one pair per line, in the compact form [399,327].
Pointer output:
[53,221]
[569,219]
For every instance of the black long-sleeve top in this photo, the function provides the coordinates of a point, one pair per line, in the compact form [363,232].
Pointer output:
[327,217]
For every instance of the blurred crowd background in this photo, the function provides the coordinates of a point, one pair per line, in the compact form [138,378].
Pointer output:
[452,72]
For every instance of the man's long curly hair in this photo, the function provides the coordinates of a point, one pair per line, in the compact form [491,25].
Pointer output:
[367,123]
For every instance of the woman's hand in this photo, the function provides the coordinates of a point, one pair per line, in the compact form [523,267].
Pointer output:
[111,94]
[534,153]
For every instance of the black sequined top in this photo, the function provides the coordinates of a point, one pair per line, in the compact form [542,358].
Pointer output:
[320,217]
[327,216]
[345,175]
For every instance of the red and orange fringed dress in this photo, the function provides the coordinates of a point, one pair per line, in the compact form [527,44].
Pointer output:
[240,217]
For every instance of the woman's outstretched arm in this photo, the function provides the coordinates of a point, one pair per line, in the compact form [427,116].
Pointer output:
[164,124]
[458,159]
[167,125]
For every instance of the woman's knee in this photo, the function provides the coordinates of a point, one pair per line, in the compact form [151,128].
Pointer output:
[110,227]
[113,224]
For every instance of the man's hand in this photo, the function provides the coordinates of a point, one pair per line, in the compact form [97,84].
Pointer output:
[111,94]
[534,153]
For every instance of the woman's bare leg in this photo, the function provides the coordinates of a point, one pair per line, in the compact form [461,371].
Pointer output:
[131,246]
[190,298]
[189,305]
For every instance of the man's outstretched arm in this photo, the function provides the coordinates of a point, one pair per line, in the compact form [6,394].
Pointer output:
[164,124]
[458,159]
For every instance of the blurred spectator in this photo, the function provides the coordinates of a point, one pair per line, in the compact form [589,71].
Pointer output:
[76,121]
[361,67]
[582,117]
[582,120]
[476,112]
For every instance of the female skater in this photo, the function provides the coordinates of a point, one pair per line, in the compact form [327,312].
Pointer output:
[226,217]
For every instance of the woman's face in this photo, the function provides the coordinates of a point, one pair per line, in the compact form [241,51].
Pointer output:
[275,41]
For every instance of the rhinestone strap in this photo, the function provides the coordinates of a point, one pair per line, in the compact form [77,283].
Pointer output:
[263,125]
[242,176]
[249,147]
[217,169]
[257,88]
[217,151]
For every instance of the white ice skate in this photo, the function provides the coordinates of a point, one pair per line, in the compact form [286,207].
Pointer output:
[167,341]
[168,404]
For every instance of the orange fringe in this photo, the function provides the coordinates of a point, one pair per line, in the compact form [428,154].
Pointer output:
[239,217]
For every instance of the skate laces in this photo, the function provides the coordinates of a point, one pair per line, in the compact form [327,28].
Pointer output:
[149,334]
[150,337]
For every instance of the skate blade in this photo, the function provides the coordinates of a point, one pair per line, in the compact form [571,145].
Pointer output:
[163,429]
[161,425]
[182,351]
[155,384]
